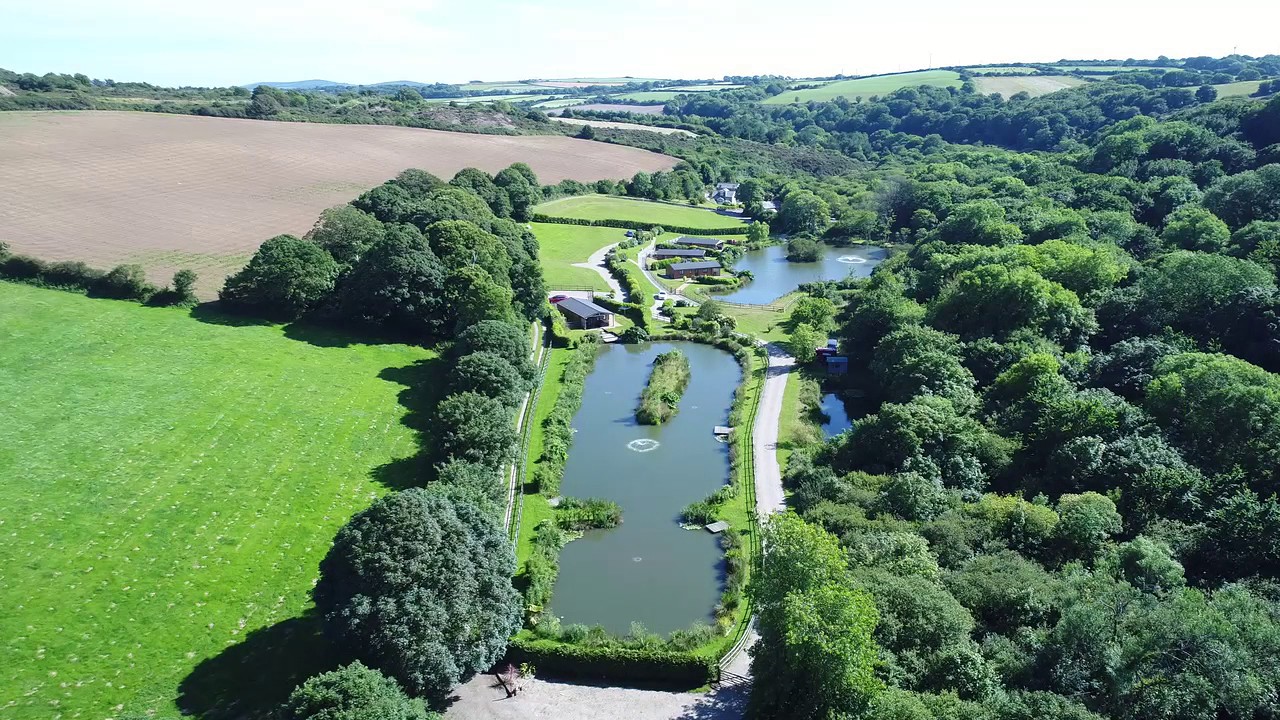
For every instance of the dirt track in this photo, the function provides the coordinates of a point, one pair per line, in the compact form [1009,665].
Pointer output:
[174,191]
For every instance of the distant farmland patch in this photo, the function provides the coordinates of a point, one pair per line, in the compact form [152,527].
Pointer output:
[637,109]
[1105,68]
[487,98]
[174,191]
[648,96]
[625,126]
[1035,85]
[1014,70]
[868,86]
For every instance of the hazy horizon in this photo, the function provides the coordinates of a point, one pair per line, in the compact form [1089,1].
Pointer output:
[238,42]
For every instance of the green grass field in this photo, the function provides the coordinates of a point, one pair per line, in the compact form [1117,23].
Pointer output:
[612,207]
[1244,88]
[170,488]
[651,96]
[1035,85]
[486,98]
[868,86]
[1014,70]
[563,102]
[706,88]
[560,246]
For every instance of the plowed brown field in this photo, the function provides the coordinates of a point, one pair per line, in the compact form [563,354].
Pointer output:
[175,191]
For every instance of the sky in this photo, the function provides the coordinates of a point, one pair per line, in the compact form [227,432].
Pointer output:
[235,42]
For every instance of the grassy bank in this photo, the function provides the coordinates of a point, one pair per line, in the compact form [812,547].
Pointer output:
[660,400]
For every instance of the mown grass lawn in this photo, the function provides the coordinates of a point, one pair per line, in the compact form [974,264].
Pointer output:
[612,207]
[560,246]
[170,486]
[868,86]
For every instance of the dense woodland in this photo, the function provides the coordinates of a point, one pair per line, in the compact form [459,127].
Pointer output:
[1060,498]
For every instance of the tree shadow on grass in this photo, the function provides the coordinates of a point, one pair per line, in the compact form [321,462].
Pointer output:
[214,313]
[248,681]
[423,384]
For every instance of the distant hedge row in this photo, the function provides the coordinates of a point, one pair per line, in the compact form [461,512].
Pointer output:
[633,225]
[124,282]
[683,670]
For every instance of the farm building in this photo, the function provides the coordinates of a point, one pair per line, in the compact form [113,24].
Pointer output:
[584,315]
[769,206]
[725,193]
[664,253]
[694,269]
[837,365]
[697,242]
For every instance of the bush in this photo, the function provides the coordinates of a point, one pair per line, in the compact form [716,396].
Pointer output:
[803,249]
[542,567]
[634,334]
[22,267]
[675,669]
[124,282]
[184,284]
[353,692]
[592,513]
[69,274]
[699,512]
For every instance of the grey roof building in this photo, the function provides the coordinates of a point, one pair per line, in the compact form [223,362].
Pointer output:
[584,315]
[670,253]
[700,242]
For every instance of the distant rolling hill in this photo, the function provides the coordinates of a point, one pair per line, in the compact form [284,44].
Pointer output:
[297,84]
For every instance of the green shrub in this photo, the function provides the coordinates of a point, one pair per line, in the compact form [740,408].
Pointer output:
[70,274]
[543,566]
[22,267]
[699,512]
[588,514]
[635,334]
[661,396]
[677,669]
[124,282]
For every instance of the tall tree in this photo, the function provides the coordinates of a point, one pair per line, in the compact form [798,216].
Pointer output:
[420,587]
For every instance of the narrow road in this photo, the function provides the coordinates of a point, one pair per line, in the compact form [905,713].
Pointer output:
[641,258]
[596,262]
[764,439]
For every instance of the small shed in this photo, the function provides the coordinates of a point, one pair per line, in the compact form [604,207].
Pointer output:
[700,242]
[722,431]
[837,365]
[584,315]
[694,269]
[717,527]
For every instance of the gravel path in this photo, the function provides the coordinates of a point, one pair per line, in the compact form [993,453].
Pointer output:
[596,262]
[483,699]
[764,440]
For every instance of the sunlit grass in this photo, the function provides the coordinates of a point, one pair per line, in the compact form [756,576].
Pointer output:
[170,486]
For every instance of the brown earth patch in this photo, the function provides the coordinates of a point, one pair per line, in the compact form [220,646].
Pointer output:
[175,191]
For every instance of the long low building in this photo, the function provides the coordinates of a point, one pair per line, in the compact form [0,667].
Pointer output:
[663,253]
[693,269]
[584,315]
[698,242]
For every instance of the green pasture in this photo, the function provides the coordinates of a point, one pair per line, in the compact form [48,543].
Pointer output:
[612,207]
[499,86]
[171,484]
[1033,85]
[562,102]
[1243,88]
[487,98]
[706,88]
[650,96]
[560,246]
[1105,68]
[868,86]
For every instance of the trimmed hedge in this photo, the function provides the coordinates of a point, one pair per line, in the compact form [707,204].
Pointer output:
[682,670]
[638,314]
[633,225]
